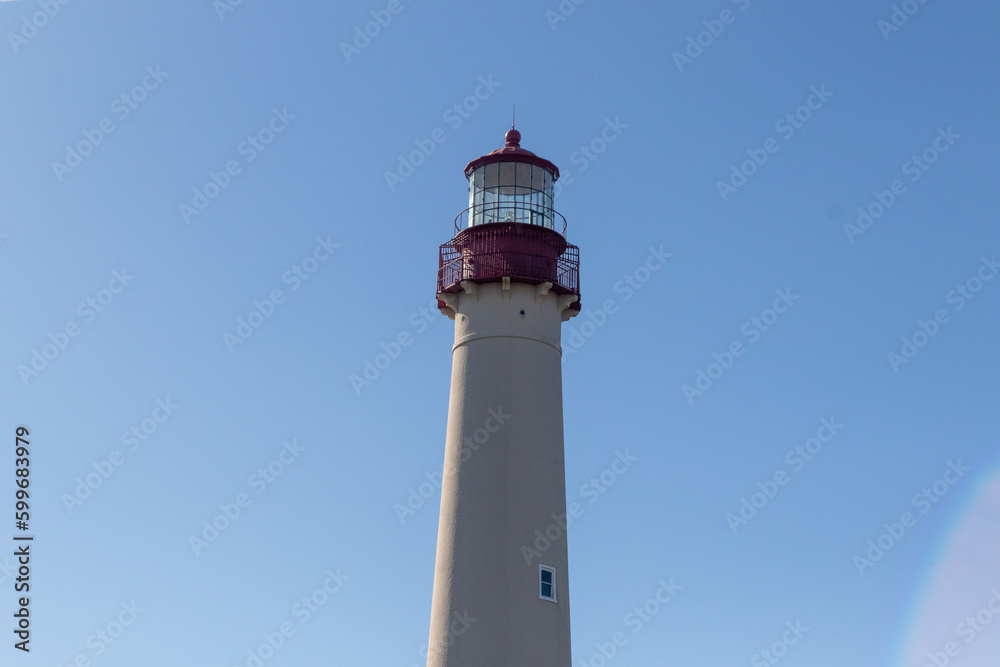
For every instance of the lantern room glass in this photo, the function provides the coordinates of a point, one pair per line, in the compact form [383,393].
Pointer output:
[511,192]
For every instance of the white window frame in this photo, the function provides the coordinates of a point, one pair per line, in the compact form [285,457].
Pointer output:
[552,570]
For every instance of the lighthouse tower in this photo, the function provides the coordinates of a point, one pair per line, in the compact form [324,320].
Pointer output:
[508,279]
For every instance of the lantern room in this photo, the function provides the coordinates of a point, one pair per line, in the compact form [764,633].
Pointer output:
[510,232]
[511,184]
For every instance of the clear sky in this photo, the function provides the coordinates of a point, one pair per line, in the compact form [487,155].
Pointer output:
[214,215]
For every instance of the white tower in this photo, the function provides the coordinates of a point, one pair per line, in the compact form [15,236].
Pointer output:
[508,279]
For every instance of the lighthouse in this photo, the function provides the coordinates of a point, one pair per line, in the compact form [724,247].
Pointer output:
[508,279]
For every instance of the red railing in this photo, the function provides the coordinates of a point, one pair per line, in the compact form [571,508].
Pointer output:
[521,252]
[528,214]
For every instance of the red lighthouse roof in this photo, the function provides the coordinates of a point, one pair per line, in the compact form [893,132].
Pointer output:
[512,152]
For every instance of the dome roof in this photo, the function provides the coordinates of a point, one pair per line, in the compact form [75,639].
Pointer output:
[512,152]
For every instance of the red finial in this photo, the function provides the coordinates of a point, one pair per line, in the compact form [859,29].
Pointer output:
[513,138]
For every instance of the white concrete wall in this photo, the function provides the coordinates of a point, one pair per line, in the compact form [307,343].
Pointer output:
[506,488]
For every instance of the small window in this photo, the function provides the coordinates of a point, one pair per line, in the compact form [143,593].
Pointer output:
[546,583]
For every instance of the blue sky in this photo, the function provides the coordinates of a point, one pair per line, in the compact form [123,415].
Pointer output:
[280,137]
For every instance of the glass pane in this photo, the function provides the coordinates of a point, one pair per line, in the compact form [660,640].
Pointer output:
[537,178]
[546,590]
[546,576]
[476,215]
[507,173]
[491,175]
[507,177]
[524,175]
